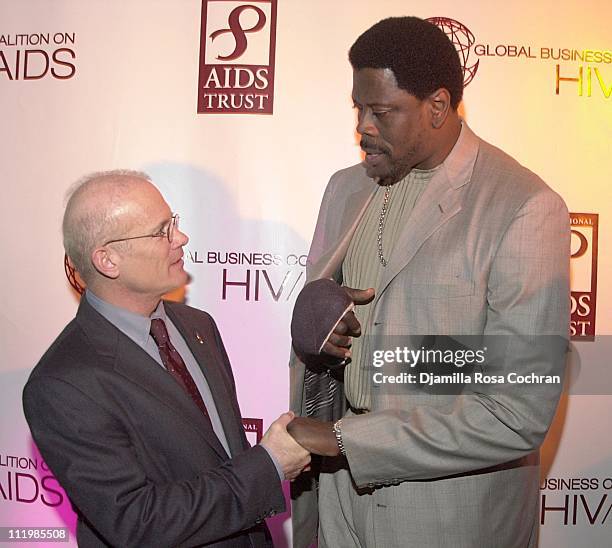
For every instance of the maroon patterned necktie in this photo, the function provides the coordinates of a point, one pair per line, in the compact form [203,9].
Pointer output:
[174,364]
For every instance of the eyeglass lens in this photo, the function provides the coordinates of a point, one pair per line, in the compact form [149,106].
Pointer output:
[173,224]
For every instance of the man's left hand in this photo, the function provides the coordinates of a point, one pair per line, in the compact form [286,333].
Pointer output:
[315,436]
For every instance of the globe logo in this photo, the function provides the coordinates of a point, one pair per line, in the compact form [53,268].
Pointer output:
[73,276]
[463,40]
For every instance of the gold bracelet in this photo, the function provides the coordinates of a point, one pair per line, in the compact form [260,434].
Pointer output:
[338,434]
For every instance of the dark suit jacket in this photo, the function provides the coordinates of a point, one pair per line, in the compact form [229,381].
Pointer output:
[131,449]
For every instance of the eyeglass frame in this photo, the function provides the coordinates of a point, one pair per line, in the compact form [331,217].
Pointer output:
[167,232]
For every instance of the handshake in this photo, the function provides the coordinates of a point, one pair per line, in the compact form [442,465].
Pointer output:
[292,439]
[323,324]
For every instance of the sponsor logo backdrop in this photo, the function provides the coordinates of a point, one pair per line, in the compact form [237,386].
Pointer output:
[170,88]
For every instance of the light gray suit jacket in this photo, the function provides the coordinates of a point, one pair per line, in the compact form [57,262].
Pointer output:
[485,252]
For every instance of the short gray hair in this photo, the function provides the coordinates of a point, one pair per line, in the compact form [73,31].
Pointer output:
[86,225]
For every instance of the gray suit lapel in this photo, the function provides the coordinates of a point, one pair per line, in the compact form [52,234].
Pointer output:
[328,264]
[440,202]
[436,206]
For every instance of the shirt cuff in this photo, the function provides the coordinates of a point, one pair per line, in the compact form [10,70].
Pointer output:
[277,465]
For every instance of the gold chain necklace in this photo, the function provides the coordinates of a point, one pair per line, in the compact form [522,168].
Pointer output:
[381,226]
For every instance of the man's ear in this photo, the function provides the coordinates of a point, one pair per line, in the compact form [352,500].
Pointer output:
[440,106]
[106,262]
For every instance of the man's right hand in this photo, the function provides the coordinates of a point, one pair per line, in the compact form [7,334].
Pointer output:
[291,456]
[338,344]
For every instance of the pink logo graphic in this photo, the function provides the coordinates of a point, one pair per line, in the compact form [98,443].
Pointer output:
[583,268]
[238,32]
[237,52]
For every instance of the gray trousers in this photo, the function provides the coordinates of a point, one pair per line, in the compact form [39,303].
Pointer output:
[404,516]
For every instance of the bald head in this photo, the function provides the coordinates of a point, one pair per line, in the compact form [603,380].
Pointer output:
[99,208]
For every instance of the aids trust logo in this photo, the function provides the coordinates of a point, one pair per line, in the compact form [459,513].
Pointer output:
[237,51]
[463,40]
[584,227]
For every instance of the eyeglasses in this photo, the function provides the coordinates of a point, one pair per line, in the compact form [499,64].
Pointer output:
[167,232]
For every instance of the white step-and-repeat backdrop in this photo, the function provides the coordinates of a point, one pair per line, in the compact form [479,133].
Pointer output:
[241,134]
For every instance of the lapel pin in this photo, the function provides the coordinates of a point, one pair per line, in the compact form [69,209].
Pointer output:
[199,338]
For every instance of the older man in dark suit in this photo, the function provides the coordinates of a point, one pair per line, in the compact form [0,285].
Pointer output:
[134,405]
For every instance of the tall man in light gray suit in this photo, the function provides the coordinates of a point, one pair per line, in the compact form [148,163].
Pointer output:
[440,233]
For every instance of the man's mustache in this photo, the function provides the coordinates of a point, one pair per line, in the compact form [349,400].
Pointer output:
[372,147]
